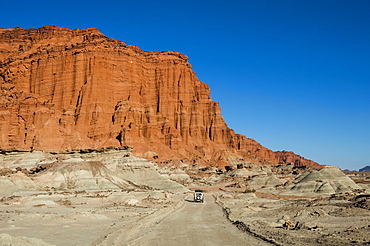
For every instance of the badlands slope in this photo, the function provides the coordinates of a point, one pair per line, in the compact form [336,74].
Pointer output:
[111,197]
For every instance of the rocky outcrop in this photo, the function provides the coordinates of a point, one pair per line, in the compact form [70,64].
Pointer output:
[104,169]
[64,89]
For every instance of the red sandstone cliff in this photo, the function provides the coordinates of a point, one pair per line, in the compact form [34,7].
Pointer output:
[64,89]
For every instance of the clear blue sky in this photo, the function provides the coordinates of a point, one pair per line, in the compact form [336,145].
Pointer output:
[292,74]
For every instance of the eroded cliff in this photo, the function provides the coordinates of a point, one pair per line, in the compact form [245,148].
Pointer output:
[64,89]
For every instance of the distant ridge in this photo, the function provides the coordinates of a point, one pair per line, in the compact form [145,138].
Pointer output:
[365,169]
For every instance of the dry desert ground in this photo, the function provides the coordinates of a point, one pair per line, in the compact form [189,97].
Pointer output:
[111,197]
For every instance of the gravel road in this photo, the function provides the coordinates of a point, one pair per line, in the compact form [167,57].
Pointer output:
[196,224]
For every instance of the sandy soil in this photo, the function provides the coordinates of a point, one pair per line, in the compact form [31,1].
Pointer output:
[81,218]
[98,218]
[320,221]
[159,218]
[195,224]
[113,198]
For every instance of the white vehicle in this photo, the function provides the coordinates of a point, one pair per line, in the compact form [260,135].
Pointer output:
[198,196]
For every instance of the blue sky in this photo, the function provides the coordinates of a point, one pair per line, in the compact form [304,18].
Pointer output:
[292,74]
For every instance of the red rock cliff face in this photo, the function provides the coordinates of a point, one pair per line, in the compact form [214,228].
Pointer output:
[64,89]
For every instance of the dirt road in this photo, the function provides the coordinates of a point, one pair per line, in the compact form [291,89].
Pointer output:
[190,224]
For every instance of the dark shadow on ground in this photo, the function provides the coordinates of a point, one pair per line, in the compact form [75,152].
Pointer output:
[187,200]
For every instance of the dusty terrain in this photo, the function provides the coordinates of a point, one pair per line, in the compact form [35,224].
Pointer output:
[111,197]
[188,223]
[321,221]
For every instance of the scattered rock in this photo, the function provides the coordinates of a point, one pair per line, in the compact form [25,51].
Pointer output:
[288,224]
[352,228]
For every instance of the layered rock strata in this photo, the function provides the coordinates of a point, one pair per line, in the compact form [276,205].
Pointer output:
[64,89]
[103,169]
